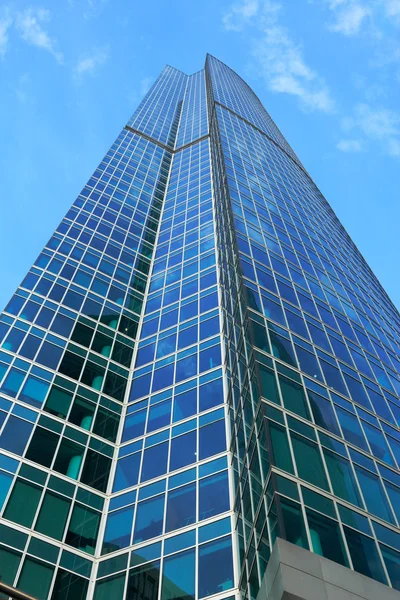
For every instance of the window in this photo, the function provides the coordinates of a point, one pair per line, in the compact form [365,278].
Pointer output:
[178,581]
[215,567]
[149,519]
[181,507]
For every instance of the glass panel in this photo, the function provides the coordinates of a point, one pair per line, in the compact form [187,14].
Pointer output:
[35,578]
[215,567]
[293,522]
[178,580]
[9,563]
[23,502]
[364,555]
[69,586]
[213,495]
[83,529]
[309,462]
[374,494]
[326,537]
[53,516]
[181,507]
[342,478]
[118,530]
[149,519]
[113,587]
[143,582]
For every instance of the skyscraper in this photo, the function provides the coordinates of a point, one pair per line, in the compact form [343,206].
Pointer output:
[199,362]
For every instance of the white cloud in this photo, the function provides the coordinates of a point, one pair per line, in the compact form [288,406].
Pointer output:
[5,24]
[376,124]
[88,65]
[240,14]
[29,25]
[279,59]
[350,145]
[350,17]
[145,85]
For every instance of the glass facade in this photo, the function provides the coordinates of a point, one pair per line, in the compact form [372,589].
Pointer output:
[199,361]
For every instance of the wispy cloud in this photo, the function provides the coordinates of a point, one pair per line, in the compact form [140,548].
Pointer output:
[145,85]
[5,24]
[349,17]
[350,145]
[376,124]
[89,64]
[352,17]
[29,24]
[279,58]
[240,14]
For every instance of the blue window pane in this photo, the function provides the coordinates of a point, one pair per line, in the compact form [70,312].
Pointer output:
[186,367]
[178,581]
[323,412]
[213,495]
[118,530]
[211,394]
[127,472]
[34,391]
[134,425]
[215,567]
[13,382]
[181,507]
[352,431]
[185,405]
[210,358]
[163,378]
[212,439]
[5,482]
[149,519]
[183,450]
[159,416]
[15,435]
[155,461]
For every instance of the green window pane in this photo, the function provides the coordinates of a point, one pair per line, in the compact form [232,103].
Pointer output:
[42,447]
[280,447]
[392,562]
[364,555]
[9,563]
[269,388]
[83,529]
[294,530]
[69,586]
[294,397]
[69,459]
[58,402]
[35,578]
[106,424]
[326,537]
[23,502]
[342,478]
[96,470]
[309,462]
[53,516]
[374,494]
[113,587]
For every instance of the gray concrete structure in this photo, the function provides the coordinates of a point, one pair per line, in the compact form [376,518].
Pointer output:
[297,574]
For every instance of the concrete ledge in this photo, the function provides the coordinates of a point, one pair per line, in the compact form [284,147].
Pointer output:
[297,574]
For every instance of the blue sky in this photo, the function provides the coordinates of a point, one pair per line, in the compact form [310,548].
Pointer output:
[73,71]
